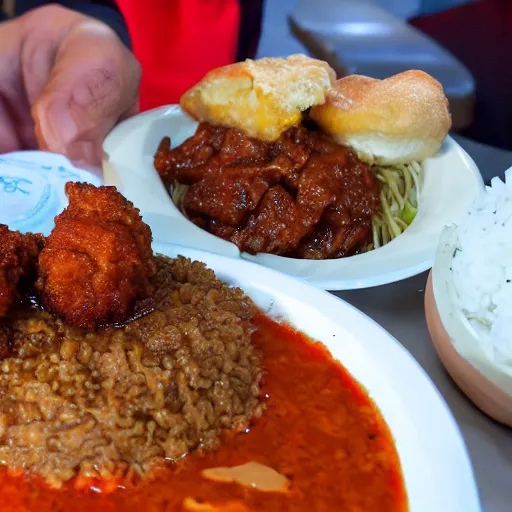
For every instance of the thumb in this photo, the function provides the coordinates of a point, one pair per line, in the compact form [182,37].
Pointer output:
[93,84]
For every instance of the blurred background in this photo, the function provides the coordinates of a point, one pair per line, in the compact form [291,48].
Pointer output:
[465,44]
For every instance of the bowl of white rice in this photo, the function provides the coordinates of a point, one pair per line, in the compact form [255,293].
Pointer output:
[468,301]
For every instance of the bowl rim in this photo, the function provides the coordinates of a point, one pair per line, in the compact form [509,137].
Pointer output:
[398,260]
[464,337]
[484,393]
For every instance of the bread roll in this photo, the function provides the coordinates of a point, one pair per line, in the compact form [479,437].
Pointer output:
[397,120]
[262,98]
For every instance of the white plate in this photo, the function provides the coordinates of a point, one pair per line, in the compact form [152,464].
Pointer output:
[437,470]
[32,188]
[451,183]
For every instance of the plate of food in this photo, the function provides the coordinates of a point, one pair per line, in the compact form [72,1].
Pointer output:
[343,183]
[161,378]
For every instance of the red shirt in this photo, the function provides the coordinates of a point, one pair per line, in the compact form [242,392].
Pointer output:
[178,41]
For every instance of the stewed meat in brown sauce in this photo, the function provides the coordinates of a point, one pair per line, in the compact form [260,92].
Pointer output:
[303,196]
[117,401]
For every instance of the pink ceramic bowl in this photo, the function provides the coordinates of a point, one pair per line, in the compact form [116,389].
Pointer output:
[484,393]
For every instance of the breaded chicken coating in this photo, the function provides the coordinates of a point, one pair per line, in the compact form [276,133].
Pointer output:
[98,261]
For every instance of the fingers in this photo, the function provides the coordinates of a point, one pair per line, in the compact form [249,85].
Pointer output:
[16,126]
[92,85]
[9,139]
[76,75]
[38,54]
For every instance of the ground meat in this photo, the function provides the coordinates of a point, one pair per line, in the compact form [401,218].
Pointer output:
[275,197]
[5,336]
[104,403]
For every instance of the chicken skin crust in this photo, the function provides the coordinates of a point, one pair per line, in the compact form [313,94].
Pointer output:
[97,262]
[18,262]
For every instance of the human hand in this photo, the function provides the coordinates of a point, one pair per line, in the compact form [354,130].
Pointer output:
[65,80]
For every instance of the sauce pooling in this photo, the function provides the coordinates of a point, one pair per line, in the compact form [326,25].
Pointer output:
[320,430]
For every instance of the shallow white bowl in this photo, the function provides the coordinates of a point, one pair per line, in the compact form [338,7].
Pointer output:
[451,183]
[437,470]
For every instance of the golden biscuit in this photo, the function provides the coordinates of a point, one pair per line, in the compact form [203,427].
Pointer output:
[262,98]
[397,120]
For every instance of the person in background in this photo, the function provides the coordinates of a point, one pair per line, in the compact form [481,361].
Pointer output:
[178,41]
[68,75]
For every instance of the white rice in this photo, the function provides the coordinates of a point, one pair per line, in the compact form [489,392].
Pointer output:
[482,269]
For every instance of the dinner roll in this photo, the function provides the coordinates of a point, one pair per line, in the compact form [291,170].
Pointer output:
[262,98]
[396,120]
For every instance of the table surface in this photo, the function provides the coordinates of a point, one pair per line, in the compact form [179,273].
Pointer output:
[399,309]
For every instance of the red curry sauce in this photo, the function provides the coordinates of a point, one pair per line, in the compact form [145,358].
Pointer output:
[320,430]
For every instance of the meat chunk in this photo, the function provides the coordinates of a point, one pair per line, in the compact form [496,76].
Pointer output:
[334,179]
[335,236]
[98,260]
[195,151]
[276,227]
[318,188]
[18,261]
[216,146]
[230,194]
[237,147]
[302,196]
[293,147]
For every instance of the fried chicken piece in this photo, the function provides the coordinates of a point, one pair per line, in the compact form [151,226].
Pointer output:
[18,262]
[98,261]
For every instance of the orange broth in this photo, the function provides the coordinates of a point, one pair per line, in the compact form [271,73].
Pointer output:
[320,429]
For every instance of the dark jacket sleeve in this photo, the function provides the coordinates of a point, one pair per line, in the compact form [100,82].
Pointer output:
[251,17]
[103,10]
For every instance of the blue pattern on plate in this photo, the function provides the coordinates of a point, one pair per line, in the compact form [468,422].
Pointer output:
[32,189]
[12,184]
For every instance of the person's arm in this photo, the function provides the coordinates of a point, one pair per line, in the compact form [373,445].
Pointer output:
[102,10]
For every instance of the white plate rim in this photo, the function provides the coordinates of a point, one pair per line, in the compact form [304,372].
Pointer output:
[353,273]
